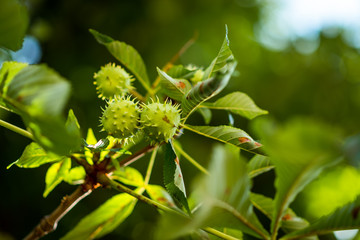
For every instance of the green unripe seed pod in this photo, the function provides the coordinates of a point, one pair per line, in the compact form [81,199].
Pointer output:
[112,81]
[120,118]
[160,121]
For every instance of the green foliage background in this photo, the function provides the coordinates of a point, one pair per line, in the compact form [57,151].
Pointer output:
[323,85]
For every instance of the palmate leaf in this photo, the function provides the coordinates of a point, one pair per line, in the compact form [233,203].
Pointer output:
[227,193]
[126,55]
[35,156]
[300,151]
[56,174]
[14,21]
[104,219]
[238,103]
[174,88]
[206,89]
[290,222]
[344,218]
[225,200]
[226,134]
[173,178]
[259,164]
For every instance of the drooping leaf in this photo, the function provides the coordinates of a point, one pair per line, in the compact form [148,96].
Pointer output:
[206,114]
[174,88]
[53,135]
[259,164]
[56,174]
[14,21]
[160,195]
[104,219]
[229,135]
[75,176]
[344,218]
[38,90]
[35,156]
[238,103]
[206,89]
[227,193]
[222,60]
[225,200]
[39,95]
[290,221]
[129,176]
[173,178]
[126,55]
[300,150]
[7,73]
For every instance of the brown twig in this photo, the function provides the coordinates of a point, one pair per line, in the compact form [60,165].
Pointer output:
[49,222]
[136,156]
[176,57]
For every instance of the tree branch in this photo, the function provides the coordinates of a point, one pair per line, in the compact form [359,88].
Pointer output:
[49,222]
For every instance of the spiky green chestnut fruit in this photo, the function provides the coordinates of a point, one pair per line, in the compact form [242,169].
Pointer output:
[120,118]
[160,121]
[112,81]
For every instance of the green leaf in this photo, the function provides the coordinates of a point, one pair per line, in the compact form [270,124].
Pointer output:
[55,174]
[259,164]
[206,89]
[344,218]
[227,193]
[7,73]
[104,219]
[290,221]
[38,89]
[160,195]
[75,176]
[174,88]
[126,55]
[129,176]
[53,135]
[90,139]
[224,197]
[263,204]
[300,150]
[173,178]
[222,60]
[39,95]
[206,114]
[14,21]
[238,103]
[229,135]
[35,156]
[72,123]
[179,71]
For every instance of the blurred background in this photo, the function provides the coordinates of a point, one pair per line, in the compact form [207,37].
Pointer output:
[296,58]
